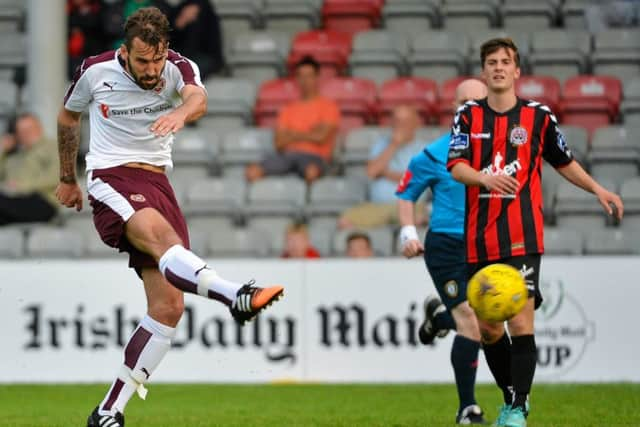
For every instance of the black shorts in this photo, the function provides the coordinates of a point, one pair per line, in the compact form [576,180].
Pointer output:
[444,255]
[529,267]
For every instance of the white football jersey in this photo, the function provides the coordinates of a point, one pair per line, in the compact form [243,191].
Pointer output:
[121,112]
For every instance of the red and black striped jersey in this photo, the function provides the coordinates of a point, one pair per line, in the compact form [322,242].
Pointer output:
[512,143]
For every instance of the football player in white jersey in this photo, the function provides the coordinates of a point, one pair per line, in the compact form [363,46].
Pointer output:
[138,97]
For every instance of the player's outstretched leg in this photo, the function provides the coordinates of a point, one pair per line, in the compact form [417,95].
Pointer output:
[149,231]
[437,321]
[189,273]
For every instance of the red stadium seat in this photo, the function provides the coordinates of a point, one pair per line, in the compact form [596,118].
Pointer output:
[420,92]
[543,89]
[590,101]
[356,98]
[330,48]
[447,99]
[351,15]
[273,94]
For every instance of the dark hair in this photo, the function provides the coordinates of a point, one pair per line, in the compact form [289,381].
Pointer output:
[493,45]
[308,60]
[148,24]
[358,235]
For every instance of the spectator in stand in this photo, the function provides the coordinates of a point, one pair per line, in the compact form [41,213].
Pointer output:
[603,14]
[298,244]
[359,245]
[389,157]
[28,173]
[196,35]
[116,13]
[305,133]
[85,33]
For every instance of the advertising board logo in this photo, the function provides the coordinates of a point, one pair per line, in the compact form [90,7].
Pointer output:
[563,330]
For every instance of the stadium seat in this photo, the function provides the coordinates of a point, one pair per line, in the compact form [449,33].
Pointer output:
[274,196]
[332,195]
[247,145]
[520,38]
[80,223]
[590,101]
[382,240]
[358,143]
[551,179]
[530,15]
[544,89]
[356,98]
[439,55]
[321,231]
[378,55]
[573,14]
[237,17]
[230,102]
[617,53]
[259,55]
[409,16]
[560,53]
[215,196]
[13,50]
[193,146]
[290,16]
[239,242]
[614,153]
[630,107]
[274,228]
[54,242]
[8,100]
[611,242]
[330,48]
[576,208]
[11,242]
[630,194]
[577,139]
[272,96]
[446,100]
[12,14]
[562,241]
[209,224]
[96,248]
[461,15]
[351,15]
[419,92]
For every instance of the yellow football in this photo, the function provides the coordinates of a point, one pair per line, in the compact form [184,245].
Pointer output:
[497,292]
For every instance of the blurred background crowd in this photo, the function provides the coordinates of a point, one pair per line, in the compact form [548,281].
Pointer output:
[316,107]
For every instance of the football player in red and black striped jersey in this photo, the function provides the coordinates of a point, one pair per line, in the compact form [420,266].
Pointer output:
[496,149]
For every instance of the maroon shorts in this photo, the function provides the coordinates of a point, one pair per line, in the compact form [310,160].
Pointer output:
[117,193]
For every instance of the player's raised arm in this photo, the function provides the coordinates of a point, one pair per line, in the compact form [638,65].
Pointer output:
[68,191]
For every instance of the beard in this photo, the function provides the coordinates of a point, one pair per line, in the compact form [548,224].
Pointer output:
[146,82]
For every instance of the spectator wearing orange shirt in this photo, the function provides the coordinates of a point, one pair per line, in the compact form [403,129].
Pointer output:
[305,133]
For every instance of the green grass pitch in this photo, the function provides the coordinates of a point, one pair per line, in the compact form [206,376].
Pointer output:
[597,405]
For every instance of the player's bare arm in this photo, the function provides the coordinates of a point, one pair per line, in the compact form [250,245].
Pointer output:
[502,184]
[193,107]
[68,191]
[411,244]
[575,174]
